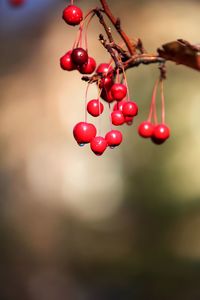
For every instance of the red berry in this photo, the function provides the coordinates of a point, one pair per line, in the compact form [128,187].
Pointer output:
[146,129]
[98,145]
[160,134]
[114,138]
[130,109]
[95,107]
[79,56]
[106,95]
[117,118]
[72,15]
[84,132]
[88,67]
[66,62]
[16,2]
[118,91]
[106,82]
[129,120]
[104,68]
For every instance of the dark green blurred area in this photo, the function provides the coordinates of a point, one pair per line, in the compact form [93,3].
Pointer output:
[73,226]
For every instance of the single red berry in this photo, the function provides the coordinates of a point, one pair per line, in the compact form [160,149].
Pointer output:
[84,132]
[160,134]
[130,109]
[118,91]
[95,107]
[72,15]
[16,2]
[117,118]
[129,120]
[106,95]
[66,62]
[146,129]
[114,138]
[98,145]
[88,67]
[104,68]
[79,56]
[106,82]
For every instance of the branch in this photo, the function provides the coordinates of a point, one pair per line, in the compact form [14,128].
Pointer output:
[117,24]
[109,48]
[180,51]
[135,61]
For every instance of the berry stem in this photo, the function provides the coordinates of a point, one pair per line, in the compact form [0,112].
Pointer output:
[163,100]
[153,104]
[118,78]
[78,37]
[99,94]
[126,83]
[110,119]
[86,97]
[72,2]
[86,31]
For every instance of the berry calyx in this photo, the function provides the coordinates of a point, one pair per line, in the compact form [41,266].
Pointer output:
[130,109]
[98,145]
[118,91]
[104,69]
[72,15]
[146,129]
[79,56]
[117,118]
[160,134]
[95,107]
[88,67]
[66,62]
[84,132]
[114,138]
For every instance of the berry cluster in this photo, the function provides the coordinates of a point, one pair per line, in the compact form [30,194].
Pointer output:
[158,132]
[112,88]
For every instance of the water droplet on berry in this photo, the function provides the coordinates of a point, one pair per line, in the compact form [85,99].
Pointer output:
[81,144]
[112,147]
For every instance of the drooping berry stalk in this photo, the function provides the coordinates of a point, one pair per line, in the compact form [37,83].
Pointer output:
[152,111]
[163,101]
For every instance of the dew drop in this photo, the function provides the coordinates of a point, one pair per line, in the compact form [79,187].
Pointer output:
[81,144]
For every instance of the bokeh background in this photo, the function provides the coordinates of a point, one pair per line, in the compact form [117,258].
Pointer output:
[75,226]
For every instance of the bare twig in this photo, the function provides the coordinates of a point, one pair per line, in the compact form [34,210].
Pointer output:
[117,24]
[109,48]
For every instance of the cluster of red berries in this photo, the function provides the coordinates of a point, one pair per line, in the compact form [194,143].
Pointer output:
[77,58]
[157,132]
[16,3]
[112,88]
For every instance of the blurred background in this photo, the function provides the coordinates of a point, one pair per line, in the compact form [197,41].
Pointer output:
[75,226]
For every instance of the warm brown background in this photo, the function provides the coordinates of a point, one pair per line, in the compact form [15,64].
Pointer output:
[75,226]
